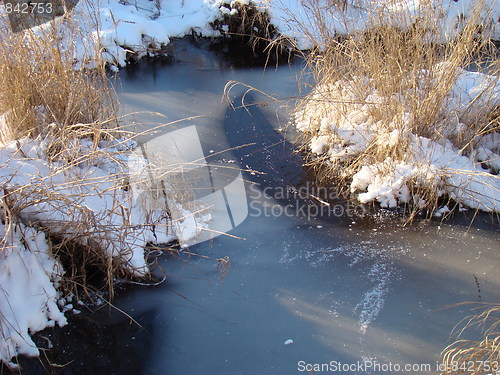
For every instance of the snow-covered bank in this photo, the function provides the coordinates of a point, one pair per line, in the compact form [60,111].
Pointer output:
[120,31]
[127,30]
[29,298]
[340,128]
[393,113]
[298,19]
[87,202]
[141,28]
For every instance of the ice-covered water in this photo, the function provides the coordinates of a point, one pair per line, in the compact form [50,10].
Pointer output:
[305,286]
[343,288]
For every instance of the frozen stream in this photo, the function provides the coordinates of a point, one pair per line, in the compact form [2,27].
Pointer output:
[343,288]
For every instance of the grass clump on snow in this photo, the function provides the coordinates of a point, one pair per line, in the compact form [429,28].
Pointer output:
[246,24]
[393,115]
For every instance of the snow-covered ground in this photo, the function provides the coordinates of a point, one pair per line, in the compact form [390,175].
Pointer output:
[29,298]
[82,202]
[298,19]
[131,29]
[341,128]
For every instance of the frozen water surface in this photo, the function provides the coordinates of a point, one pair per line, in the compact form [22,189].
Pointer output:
[341,288]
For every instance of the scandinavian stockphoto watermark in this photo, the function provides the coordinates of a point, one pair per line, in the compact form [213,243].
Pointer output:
[217,190]
[176,163]
[307,201]
[374,366]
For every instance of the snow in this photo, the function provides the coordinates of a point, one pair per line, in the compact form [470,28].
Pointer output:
[29,279]
[441,211]
[293,17]
[60,198]
[132,29]
[297,20]
[342,129]
[433,165]
[142,28]
[119,30]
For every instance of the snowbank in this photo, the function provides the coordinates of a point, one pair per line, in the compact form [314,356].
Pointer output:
[126,29]
[85,201]
[28,290]
[298,19]
[140,28]
[337,119]
[431,165]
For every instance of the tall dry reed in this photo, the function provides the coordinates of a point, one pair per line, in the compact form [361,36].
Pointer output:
[42,92]
[467,356]
[393,66]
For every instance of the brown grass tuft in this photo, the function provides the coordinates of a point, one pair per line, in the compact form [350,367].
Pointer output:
[42,92]
[465,356]
[409,75]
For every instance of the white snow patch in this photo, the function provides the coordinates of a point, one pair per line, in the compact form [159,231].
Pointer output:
[342,129]
[29,278]
[441,211]
[86,194]
[121,29]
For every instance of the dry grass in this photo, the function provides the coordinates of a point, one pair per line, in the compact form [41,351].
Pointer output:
[249,26]
[402,68]
[475,357]
[82,238]
[42,93]
[44,97]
